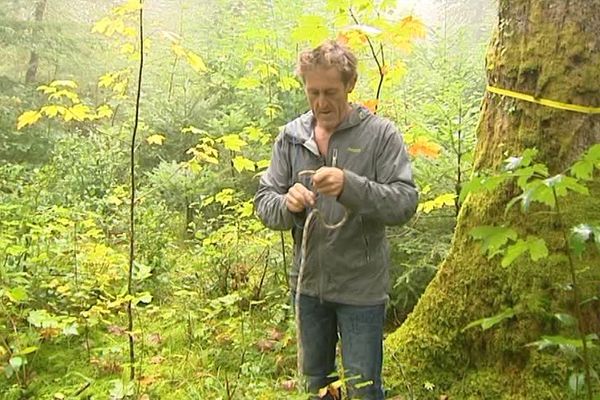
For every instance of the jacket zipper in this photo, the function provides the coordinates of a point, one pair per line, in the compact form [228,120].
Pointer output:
[365,239]
[334,156]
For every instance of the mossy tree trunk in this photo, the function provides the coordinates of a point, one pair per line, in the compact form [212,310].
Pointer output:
[549,49]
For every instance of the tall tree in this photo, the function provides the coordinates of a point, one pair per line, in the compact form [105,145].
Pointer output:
[550,50]
[34,58]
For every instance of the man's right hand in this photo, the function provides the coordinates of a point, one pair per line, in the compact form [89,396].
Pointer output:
[298,198]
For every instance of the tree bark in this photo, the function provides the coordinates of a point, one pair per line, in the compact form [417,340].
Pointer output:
[34,58]
[549,49]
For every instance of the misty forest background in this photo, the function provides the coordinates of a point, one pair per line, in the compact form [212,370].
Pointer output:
[202,308]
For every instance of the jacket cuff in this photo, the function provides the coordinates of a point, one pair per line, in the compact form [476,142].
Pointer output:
[291,219]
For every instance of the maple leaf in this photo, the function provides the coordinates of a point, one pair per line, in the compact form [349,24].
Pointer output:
[28,118]
[155,139]
[196,62]
[371,104]
[425,147]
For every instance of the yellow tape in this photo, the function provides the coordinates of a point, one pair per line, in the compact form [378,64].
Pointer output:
[544,102]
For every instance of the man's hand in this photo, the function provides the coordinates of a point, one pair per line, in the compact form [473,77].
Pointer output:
[298,198]
[329,181]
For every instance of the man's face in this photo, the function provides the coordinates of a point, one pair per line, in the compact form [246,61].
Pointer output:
[327,96]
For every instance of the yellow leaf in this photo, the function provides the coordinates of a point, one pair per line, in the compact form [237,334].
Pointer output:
[248,82]
[127,48]
[196,62]
[178,50]
[156,139]
[51,110]
[246,209]
[263,164]
[66,93]
[47,89]
[127,8]
[404,32]
[101,25]
[311,28]
[131,32]
[233,142]
[446,199]
[78,112]
[112,199]
[242,163]
[287,83]
[106,80]
[104,111]
[65,83]
[193,166]
[225,196]
[28,118]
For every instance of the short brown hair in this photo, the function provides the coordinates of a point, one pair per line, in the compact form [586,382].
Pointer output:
[329,54]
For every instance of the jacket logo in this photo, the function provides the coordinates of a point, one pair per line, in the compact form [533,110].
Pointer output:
[353,149]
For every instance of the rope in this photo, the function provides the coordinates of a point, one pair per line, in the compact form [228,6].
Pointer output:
[314,213]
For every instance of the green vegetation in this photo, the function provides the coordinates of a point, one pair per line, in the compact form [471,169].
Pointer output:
[209,295]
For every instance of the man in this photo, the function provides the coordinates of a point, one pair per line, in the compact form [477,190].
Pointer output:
[362,174]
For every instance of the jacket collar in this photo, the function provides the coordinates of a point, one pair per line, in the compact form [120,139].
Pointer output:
[301,130]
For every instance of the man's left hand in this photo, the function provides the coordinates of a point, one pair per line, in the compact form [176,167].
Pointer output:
[329,181]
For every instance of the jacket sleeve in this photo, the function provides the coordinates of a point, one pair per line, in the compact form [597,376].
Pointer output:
[392,198]
[269,201]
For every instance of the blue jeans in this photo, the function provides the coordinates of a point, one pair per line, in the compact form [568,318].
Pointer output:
[360,329]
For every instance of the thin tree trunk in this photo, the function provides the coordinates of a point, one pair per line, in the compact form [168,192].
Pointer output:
[34,58]
[551,50]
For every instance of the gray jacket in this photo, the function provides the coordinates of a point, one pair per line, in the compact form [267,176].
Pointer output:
[348,265]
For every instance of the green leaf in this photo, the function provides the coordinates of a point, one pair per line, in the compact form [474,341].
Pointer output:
[487,323]
[562,341]
[577,382]
[493,237]
[539,192]
[70,329]
[16,362]
[534,245]
[17,295]
[141,271]
[512,163]
[41,319]
[15,250]
[27,350]
[537,248]
[579,237]
[583,170]
[566,319]
[144,297]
